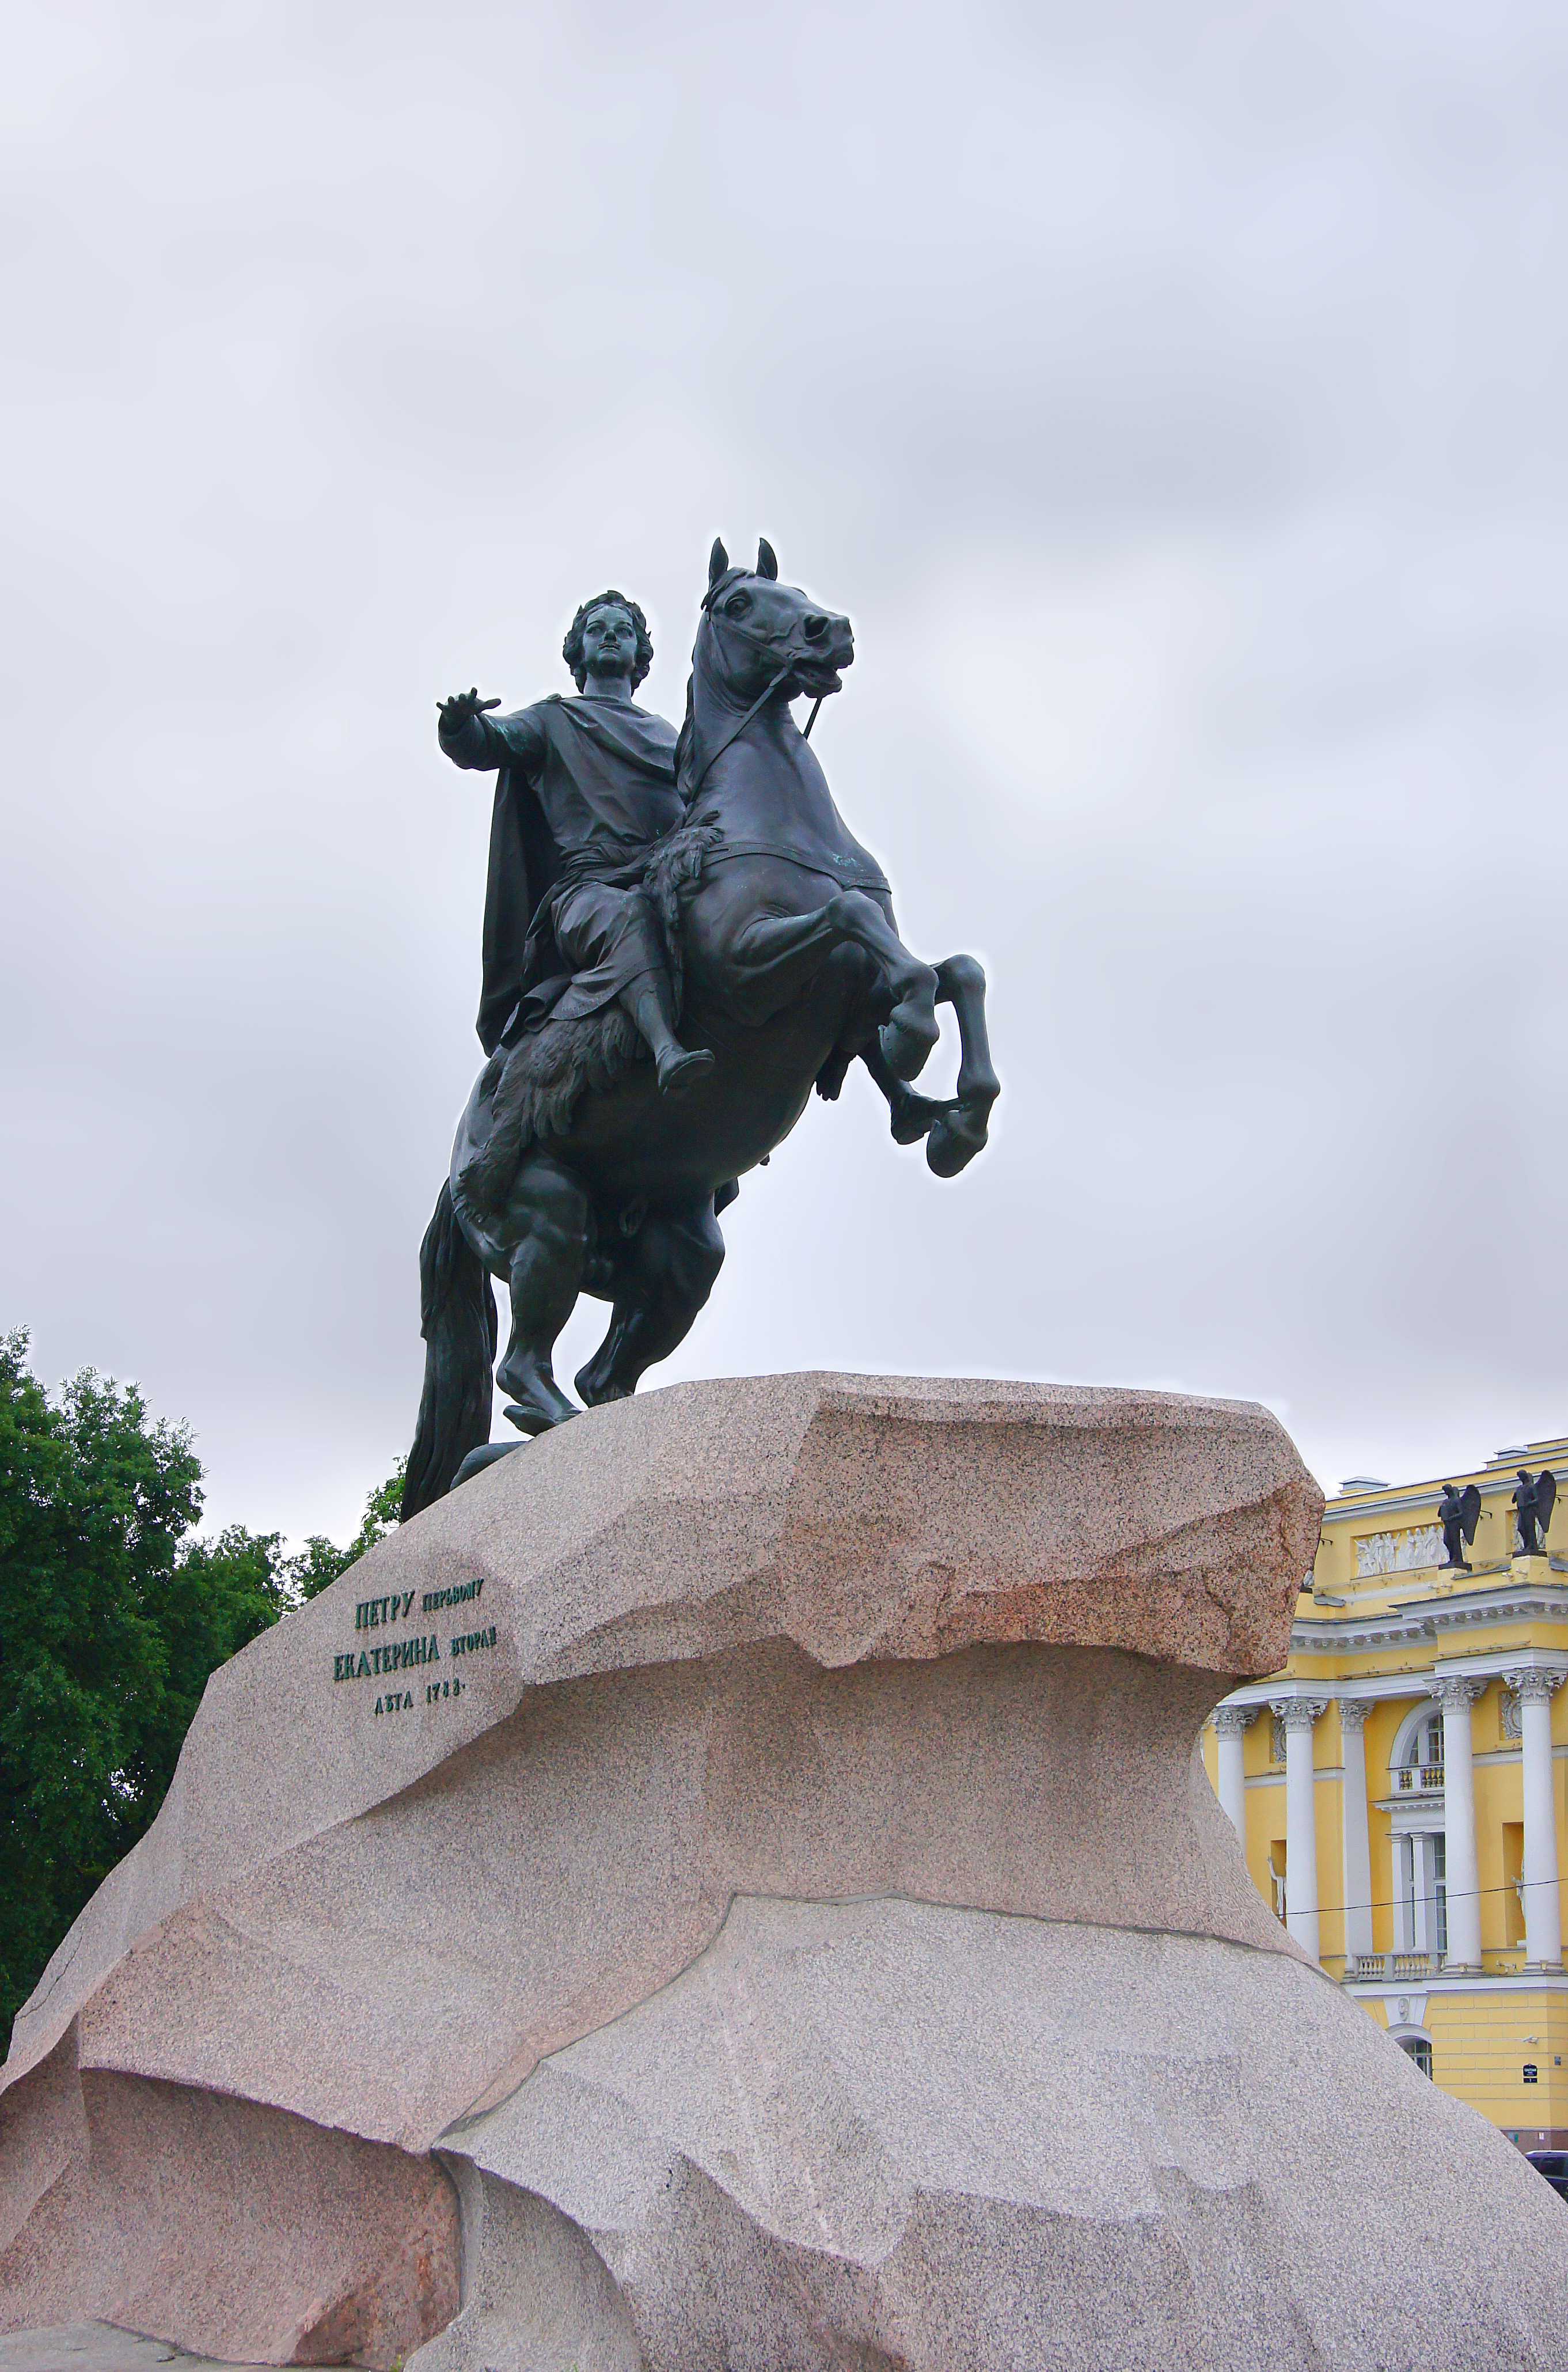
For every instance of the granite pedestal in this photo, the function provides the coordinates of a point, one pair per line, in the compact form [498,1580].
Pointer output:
[732,1888]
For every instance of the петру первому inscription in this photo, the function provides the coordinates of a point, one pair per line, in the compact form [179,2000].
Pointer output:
[372,1613]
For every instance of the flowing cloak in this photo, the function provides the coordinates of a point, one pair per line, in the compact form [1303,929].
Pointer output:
[584,789]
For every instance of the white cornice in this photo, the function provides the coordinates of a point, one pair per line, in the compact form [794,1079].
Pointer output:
[1381,1686]
[1535,1981]
[1428,1619]
[1494,1481]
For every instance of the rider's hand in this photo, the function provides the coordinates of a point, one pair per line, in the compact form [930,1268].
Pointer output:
[458,712]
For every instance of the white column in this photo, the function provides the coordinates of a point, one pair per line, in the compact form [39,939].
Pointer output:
[1298,1713]
[1543,1917]
[1230,1721]
[1357,1854]
[1456,1693]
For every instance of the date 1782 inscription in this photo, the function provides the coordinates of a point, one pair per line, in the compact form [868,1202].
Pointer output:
[381,1659]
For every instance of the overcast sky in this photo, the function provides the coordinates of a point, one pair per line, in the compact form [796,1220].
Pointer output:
[1173,396]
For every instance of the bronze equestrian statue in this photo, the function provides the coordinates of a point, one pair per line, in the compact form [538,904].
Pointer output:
[694,897]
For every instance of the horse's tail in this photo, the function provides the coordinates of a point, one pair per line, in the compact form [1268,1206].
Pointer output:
[456,1318]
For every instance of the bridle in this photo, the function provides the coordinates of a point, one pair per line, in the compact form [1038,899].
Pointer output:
[758,642]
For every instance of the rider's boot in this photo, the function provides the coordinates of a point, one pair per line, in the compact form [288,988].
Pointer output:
[649,1003]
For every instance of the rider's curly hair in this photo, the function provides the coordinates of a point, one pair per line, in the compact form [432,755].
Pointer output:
[572,649]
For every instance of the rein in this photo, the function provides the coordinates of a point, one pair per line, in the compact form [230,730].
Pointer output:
[737,730]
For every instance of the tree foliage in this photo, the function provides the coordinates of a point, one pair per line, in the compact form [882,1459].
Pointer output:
[113,1616]
[318,1563]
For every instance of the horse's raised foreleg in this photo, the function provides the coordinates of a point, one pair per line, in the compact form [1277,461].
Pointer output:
[773,957]
[910,1115]
[545,1229]
[965,1125]
[663,1277]
[956,1129]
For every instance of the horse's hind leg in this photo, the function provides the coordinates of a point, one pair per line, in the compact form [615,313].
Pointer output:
[545,1228]
[663,1278]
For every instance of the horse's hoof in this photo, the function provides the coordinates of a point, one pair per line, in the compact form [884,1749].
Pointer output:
[907,1040]
[911,1117]
[538,1402]
[954,1141]
[531,1419]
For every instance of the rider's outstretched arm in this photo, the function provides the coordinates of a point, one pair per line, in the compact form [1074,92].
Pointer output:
[472,737]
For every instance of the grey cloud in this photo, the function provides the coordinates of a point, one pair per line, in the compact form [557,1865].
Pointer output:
[1172,398]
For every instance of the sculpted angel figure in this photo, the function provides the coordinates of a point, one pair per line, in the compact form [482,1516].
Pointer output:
[1459,1512]
[585,787]
[1533,1502]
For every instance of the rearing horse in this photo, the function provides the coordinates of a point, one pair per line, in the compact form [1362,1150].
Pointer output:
[570,1172]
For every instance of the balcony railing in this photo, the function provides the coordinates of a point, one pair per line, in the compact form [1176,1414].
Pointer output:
[1420,1778]
[1392,1968]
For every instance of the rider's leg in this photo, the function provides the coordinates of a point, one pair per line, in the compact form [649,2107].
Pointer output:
[546,1224]
[775,956]
[615,933]
[666,1275]
[651,1004]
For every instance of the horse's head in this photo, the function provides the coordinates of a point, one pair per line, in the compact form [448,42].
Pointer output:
[759,630]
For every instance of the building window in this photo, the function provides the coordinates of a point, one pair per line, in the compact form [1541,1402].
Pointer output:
[1416,2047]
[1404,1863]
[1513,1882]
[1440,1894]
[1419,1771]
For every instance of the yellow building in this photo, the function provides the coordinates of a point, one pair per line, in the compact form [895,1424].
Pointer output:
[1399,1787]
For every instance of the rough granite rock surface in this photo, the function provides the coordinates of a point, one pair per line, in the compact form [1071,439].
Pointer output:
[745,1858]
[886,2134]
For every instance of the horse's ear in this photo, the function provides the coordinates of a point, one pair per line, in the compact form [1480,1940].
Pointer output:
[767,560]
[718,561]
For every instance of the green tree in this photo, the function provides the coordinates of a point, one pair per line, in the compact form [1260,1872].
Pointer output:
[112,1618]
[94,1500]
[318,1565]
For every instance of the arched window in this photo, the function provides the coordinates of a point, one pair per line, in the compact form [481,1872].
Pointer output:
[1417,2047]
[1416,1764]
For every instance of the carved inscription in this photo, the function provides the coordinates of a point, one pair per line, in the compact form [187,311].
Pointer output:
[466,1644]
[371,1662]
[376,1660]
[458,1595]
[371,1612]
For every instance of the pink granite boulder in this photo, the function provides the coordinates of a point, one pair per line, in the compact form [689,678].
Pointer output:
[659,1910]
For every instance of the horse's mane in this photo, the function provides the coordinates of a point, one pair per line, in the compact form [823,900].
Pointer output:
[683,738]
